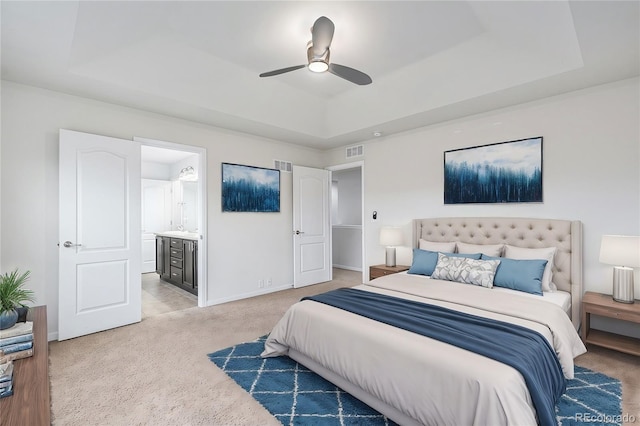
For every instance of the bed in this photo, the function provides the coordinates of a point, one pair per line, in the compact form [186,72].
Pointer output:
[416,379]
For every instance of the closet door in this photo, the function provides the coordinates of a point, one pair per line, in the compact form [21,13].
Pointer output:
[311,226]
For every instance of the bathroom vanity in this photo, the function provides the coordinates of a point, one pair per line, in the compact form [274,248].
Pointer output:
[177,259]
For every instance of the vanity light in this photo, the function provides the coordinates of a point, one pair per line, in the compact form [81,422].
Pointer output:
[188,173]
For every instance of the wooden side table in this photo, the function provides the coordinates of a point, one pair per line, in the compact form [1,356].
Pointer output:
[604,305]
[30,403]
[377,271]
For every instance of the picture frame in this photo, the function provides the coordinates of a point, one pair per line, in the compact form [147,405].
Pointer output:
[504,172]
[250,189]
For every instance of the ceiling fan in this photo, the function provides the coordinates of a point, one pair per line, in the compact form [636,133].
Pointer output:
[318,55]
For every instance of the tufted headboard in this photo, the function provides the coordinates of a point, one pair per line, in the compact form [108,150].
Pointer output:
[566,235]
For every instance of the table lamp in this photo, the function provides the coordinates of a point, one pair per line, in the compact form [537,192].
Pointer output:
[624,253]
[390,237]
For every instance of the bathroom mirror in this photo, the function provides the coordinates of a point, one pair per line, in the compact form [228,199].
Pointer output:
[186,206]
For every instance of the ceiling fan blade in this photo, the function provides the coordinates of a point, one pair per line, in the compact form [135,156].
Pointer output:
[321,35]
[281,71]
[354,76]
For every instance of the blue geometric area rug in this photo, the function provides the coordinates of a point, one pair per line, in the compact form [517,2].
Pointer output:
[297,396]
[591,398]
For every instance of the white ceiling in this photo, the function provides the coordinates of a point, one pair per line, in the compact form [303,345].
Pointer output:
[430,61]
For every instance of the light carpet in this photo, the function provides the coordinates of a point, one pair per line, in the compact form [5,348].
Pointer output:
[296,396]
[154,372]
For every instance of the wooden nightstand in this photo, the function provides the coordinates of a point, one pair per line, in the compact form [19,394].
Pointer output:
[377,271]
[604,305]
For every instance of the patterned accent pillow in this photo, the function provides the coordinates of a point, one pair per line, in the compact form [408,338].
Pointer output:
[424,261]
[465,270]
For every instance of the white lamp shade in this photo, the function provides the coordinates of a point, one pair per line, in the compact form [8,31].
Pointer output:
[620,250]
[390,236]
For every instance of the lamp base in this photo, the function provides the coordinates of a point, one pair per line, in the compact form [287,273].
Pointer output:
[623,284]
[390,259]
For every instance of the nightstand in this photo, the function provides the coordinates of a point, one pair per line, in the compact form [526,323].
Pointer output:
[377,271]
[604,305]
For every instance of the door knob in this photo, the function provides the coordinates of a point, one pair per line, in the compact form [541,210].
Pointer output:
[70,244]
[298,232]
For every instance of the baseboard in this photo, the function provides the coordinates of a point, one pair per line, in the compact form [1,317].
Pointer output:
[349,268]
[52,336]
[258,292]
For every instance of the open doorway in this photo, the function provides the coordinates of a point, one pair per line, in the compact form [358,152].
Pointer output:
[173,198]
[347,215]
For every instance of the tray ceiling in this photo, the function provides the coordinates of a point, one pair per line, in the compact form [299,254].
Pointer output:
[430,61]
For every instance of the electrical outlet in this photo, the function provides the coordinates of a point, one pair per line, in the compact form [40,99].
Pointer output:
[268,282]
[260,283]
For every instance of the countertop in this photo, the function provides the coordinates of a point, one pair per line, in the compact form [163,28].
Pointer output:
[180,234]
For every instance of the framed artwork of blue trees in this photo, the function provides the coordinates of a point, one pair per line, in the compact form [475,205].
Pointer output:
[505,172]
[250,189]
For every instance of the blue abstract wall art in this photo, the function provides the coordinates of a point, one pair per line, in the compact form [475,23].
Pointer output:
[250,189]
[505,172]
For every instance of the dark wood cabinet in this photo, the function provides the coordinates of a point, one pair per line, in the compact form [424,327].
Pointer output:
[176,262]
[163,260]
[190,264]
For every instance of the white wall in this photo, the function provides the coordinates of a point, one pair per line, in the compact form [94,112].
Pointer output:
[591,173]
[346,243]
[242,247]
[349,183]
[591,169]
[347,233]
[153,170]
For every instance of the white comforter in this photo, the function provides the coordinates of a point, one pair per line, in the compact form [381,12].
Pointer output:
[427,380]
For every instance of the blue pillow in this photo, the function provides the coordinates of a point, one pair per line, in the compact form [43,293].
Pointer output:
[424,261]
[521,275]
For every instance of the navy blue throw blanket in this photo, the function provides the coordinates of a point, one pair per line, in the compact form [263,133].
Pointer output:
[521,348]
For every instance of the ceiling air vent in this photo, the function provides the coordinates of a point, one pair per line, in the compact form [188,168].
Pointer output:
[355,151]
[284,166]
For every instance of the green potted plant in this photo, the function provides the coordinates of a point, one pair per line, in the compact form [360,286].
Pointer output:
[12,296]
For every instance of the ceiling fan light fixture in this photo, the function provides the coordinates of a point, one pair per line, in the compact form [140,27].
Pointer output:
[318,53]
[318,66]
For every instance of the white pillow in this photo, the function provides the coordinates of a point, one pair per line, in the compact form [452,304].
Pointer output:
[465,270]
[449,247]
[547,253]
[493,250]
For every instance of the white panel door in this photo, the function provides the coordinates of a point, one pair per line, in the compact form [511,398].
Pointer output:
[148,261]
[156,217]
[311,226]
[156,205]
[99,234]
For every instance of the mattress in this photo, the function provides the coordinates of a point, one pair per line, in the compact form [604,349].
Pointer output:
[423,379]
[559,298]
